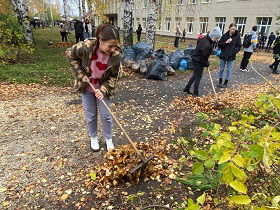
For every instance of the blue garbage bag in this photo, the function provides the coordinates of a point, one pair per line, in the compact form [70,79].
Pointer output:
[175,58]
[218,54]
[188,51]
[183,65]
[128,54]
[143,50]
[156,70]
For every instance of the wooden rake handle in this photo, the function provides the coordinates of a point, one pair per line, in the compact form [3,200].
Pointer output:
[214,90]
[116,120]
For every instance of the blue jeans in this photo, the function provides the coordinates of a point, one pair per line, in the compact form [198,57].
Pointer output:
[87,35]
[90,103]
[222,67]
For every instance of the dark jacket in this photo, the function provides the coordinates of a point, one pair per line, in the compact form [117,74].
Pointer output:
[203,51]
[139,31]
[79,29]
[229,50]
[263,38]
[271,38]
[276,48]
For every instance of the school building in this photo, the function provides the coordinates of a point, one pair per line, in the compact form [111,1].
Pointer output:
[200,16]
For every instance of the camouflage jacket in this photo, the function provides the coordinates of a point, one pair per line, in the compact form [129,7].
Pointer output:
[79,58]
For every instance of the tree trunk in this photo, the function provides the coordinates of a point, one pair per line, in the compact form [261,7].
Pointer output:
[127,25]
[152,22]
[84,9]
[65,9]
[52,25]
[92,18]
[79,5]
[21,11]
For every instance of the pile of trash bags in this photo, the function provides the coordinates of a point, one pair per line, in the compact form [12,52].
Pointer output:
[156,64]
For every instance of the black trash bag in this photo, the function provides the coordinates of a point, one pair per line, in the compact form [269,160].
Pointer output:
[175,58]
[188,51]
[156,70]
[162,55]
[128,54]
[142,50]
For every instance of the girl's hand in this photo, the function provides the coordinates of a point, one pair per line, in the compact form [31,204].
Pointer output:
[85,79]
[98,94]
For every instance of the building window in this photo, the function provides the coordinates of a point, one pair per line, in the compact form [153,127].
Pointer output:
[240,24]
[221,21]
[203,25]
[138,21]
[178,22]
[192,1]
[264,24]
[144,3]
[144,22]
[190,23]
[180,2]
[167,24]
[205,1]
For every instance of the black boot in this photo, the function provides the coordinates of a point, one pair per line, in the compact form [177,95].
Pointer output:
[275,72]
[225,84]
[187,90]
[220,83]
[195,94]
[271,66]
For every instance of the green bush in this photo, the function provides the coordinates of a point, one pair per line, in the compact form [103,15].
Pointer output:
[12,41]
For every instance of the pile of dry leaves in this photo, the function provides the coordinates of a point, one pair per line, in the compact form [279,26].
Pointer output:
[116,165]
[240,97]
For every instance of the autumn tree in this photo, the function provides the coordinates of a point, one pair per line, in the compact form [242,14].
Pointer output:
[152,21]
[127,25]
[21,11]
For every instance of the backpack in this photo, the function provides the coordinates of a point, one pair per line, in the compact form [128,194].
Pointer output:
[247,41]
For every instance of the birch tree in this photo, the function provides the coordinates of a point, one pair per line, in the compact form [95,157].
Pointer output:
[152,22]
[21,11]
[52,23]
[65,9]
[127,25]
[84,9]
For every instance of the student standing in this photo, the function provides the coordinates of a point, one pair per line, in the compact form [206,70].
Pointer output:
[248,51]
[230,44]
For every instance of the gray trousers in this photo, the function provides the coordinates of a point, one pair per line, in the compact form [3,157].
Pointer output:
[90,108]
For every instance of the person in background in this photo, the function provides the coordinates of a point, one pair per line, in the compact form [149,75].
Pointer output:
[200,58]
[97,61]
[230,45]
[87,29]
[271,39]
[262,41]
[63,31]
[184,34]
[138,32]
[249,50]
[199,36]
[178,33]
[259,40]
[276,52]
[79,30]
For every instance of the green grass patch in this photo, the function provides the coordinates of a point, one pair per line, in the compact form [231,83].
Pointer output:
[48,65]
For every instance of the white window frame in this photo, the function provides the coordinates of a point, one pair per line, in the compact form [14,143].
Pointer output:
[144,20]
[180,2]
[138,21]
[167,24]
[178,21]
[240,24]
[205,1]
[145,3]
[221,23]
[266,26]
[192,1]
[202,21]
[190,23]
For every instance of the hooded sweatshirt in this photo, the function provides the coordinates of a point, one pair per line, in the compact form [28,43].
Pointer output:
[254,41]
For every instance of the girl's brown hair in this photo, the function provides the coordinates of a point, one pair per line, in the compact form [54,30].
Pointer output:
[106,32]
[232,24]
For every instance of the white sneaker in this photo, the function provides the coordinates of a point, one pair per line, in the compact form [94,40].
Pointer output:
[110,145]
[94,143]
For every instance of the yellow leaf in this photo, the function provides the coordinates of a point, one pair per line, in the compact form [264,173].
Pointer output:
[225,157]
[68,191]
[6,203]
[239,161]
[64,197]
[3,190]
[238,186]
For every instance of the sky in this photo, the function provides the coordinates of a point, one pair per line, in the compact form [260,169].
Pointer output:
[74,7]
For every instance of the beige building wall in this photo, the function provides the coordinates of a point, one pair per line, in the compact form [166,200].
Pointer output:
[246,13]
